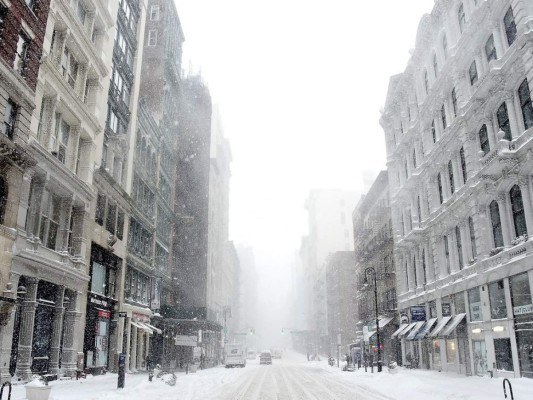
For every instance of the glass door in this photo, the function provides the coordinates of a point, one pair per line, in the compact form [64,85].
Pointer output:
[480,357]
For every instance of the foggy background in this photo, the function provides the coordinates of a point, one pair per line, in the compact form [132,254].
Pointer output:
[300,84]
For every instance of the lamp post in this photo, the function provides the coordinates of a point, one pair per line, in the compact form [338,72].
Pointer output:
[365,283]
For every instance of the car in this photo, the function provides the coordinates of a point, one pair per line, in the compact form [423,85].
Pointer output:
[265,357]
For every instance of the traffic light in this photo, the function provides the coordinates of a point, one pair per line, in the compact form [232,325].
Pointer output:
[252,331]
[282,331]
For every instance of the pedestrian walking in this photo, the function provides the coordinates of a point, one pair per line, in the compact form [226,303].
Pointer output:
[150,366]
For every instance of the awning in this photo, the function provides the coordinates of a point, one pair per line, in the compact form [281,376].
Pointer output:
[409,327]
[146,328]
[382,323]
[422,333]
[439,326]
[453,324]
[401,328]
[415,330]
[153,328]
[137,325]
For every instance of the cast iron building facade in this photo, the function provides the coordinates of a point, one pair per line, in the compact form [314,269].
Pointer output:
[458,125]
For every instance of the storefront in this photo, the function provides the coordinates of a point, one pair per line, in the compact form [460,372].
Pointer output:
[522,302]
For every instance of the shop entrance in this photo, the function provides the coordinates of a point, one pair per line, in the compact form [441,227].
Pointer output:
[480,357]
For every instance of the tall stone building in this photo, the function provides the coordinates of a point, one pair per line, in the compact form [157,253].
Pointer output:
[22,35]
[373,245]
[458,124]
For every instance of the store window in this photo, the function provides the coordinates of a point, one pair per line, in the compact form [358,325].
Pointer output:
[504,356]
[474,304]
[98,279]
[498,308]
[433,309]
[451,351]
[459,303]
[436,352]
[521,294]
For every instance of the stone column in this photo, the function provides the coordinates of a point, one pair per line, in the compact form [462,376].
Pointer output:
[133,355]
[57,330]
[72,328]
[140,347]
[128,328]
[6,336]
[147,346]
[27,315]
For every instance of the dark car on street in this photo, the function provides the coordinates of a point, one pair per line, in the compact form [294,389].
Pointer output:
[265,357]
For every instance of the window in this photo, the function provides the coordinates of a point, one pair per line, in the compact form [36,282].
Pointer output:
[496,224]
[443,116]
[484,140]
[510,26]
[454,102]
[63,141]
[498,308]
[445,47]
[472,73]
[69,67]
[414,272]
[418,210]
[426,82]
[110,221]
[503,121]
[424,269]
[10,118]
[490,49]
[461,18]
[154,13]
[414,159]
[21,55]
[525,103]
[459,247]
[463,164]
[459,303]
[517,205]
[137,286]
[406,168]
[474,304]
[451,351]
[435,65]
[98,278]
[504,356]
[450,175]
[520,292]
[406,277]
[447,254]
[472,237]
[100,209]
[3,198]
[433,132]
[439,183]
[49,219]
[120,224]
[3,13]
[152,37]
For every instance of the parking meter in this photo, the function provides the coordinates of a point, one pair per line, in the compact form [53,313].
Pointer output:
[121,370]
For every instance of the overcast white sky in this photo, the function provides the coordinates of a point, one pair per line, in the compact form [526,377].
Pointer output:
[300,84]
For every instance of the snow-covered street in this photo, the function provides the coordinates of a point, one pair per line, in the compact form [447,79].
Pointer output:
[292,378]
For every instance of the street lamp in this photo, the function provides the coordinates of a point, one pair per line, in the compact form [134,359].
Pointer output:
[365,284]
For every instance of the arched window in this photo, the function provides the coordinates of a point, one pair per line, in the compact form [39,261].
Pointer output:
[450,175]
[484,140]
[3,198]
[490,49]
[414,158]
[461,17]
[463,164]
[439,183]
[472,237]
[424,270]
[519,217]
[447,254]
[503,121]
[414,272]
[472,73]
[496,224]
[443,117]
[525,103]
[510,26]
[433,132]
[454,102]
[459,247]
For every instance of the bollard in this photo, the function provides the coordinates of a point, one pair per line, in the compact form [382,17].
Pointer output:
[121,370]
[510,388]
[2,391]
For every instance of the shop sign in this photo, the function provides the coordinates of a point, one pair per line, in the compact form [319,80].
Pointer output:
[475,311]
[100,302]
[418,313]
[521,310]
[404,318]
[141,317]
[104,314]
[183,340]
[446,310]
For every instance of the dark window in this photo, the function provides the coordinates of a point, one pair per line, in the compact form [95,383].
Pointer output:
[496,224]
[490,49]
[450,174]
[447,254]
[510,26]
[424,269]
[120,224]
[484,140]
[439,183]
[32,4]
[504,356]
[435,65]
[517,206]
[433,132]
[472,73]
[472,237]
[414,158]
[10,119]
[525,104]
[461,17]
[418,210]
[414,272]
[443,116]
[463,164]
[503,121]
[3,13]
[111,218]
[474,304]
[426,81]
[21,54]
[459,247]
[454,102]
[3,198]
[100,209]
[498,308]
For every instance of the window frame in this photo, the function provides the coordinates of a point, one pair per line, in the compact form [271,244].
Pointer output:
[504,123]
[472,73]
[510,26]
[524,96]
[496,224]
[518,211]
[10,118]
[459,241]
[152,38]
[451,177]
[490,51]
[484,143]
[21,53]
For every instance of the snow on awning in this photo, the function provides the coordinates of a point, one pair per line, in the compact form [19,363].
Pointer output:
[439,326]
[452,325]
[415,330]
[145,328]
[409,327]
[382,323]
[153,328]
[137,325]
[401,328]
[422,333]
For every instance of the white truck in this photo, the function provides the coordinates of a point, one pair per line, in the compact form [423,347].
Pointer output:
[235,355]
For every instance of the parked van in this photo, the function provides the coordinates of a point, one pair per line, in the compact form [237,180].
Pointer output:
[235,355]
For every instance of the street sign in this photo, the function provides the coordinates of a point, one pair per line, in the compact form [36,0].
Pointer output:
[122,314]
[184,340]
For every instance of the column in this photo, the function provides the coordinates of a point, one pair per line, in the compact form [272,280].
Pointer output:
[6,337]
[57,330]
[133,352]
[129,331]
[72,321]
[27,316]
[140,347]
[147,346]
